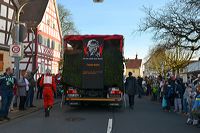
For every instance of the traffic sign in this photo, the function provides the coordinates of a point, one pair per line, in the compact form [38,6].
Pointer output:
[15,50]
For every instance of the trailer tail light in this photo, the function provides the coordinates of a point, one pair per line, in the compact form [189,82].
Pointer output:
[72,91]
[115,92]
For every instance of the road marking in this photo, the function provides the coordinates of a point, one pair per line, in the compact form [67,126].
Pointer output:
[109,129]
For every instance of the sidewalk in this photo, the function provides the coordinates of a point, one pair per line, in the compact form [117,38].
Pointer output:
[18,113]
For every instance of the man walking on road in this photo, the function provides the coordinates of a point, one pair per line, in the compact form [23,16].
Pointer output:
[6,88]
[49,87]
[131,87]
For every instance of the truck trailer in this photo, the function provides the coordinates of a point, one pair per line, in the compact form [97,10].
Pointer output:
[93,69]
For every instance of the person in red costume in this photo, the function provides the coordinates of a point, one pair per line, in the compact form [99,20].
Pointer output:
[49,87]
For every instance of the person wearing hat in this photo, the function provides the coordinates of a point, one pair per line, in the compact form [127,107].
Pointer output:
[49,87]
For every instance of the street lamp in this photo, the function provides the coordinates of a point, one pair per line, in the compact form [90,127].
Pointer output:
[17,39]
[98,1]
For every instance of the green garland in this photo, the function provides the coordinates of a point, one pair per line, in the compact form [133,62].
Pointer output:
[113,68]
[72,73]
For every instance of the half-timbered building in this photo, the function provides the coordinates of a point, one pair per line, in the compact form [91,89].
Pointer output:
[7,10]
[42,46]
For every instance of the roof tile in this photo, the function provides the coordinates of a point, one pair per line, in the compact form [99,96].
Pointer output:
[133,63]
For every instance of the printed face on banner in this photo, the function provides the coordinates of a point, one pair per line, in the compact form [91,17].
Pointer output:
[93,48]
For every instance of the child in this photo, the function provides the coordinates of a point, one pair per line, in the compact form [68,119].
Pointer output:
[155,91]
[195,113]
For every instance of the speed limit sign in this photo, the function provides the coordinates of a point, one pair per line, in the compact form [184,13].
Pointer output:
[15,50]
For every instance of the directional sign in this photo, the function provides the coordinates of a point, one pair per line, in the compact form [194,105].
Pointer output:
[15,50]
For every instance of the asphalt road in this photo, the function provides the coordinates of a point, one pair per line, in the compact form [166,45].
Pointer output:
[147,117]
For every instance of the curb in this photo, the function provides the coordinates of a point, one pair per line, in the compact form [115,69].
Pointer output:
[25,114]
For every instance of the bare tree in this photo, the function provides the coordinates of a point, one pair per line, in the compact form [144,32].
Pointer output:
[178,23]
[156,60]
[162,60]
[67,25]
[191,4]
[178,58]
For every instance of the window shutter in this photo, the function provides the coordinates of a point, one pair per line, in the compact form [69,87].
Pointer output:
[1,62]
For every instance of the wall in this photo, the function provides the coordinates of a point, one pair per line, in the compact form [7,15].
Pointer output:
[6,60]
[136,72]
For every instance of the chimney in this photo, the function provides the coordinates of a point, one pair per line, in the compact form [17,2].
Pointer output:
[136,57]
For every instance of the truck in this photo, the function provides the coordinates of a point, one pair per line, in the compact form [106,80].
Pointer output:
[93,69]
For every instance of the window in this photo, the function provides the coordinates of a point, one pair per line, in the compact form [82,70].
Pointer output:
[53,26]
[10,13]
[53,44]
[7,1]
[2,24]
[2,37]
[40,40]
[48,43]
[1,62]
[48,22]
[3,10]
[44,41]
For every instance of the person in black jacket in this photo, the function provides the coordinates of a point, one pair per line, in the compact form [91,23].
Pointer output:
[178,90]
[40,89]
[140,89]
[131,87]
[6,87]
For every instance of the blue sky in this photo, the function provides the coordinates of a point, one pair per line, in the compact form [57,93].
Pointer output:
[114,17]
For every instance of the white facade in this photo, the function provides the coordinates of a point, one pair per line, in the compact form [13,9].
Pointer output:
[192,67]
[49,49]
[42,48]
[6,24]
